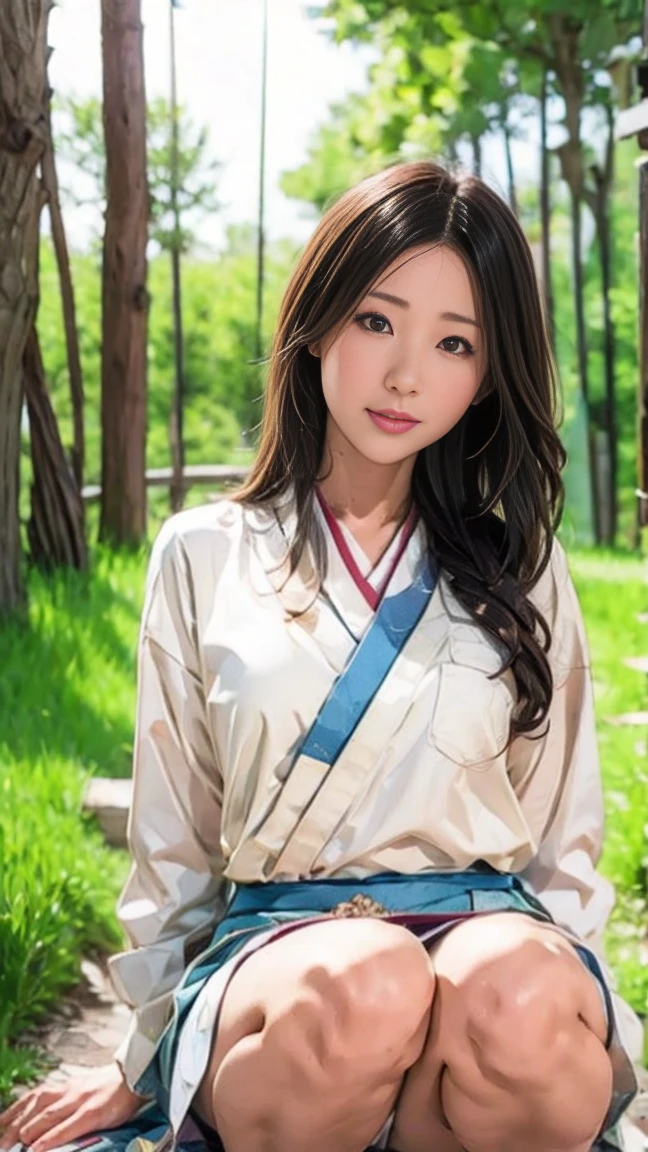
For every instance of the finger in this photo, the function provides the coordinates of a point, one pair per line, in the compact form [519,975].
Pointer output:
[22,1112]
[45,1120]
[80,1124]
[7,1116]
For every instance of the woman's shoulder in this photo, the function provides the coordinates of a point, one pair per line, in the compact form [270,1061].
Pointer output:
[556,599]
[553,580]
[204,536]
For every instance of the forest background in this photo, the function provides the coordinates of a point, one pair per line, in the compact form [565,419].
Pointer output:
[449,77]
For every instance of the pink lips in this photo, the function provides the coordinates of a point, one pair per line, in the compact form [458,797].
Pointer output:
[391,421]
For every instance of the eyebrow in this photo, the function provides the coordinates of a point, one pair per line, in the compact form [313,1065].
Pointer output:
[405,304]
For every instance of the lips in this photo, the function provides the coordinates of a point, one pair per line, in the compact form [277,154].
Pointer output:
[393,422]
[394,414]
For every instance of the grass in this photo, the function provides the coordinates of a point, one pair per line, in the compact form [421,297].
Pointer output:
[66,712]
[67,698]
[613,590]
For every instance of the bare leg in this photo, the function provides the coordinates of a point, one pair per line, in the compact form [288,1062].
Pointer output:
[514,1059]
[315,1034]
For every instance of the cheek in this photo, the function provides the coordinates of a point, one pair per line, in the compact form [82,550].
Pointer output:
[451,398]
[345,367]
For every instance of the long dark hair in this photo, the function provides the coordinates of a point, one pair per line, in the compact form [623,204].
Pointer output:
[489,491]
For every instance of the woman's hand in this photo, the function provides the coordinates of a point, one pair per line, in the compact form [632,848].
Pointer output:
[51,1115]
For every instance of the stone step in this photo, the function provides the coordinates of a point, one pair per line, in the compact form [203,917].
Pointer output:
[110,800]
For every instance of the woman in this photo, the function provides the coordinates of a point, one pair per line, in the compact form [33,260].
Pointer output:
[367,811]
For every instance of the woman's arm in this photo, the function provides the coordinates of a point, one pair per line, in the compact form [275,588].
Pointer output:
[175,888]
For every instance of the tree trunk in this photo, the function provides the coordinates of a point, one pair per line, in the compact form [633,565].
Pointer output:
[477,155]
[642,391]
[581,349]
[545,215]
[50,184]
[599,203]
[564,36]
[23,71]
[125,299]
[56,527]
[512,194]
[176,418]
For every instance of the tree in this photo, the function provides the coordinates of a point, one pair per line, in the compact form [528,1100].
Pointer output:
[56,525]
[50,183]
[23,77]
[79,141]
[124,293]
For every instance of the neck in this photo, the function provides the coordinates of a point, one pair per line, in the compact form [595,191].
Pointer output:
[359,489]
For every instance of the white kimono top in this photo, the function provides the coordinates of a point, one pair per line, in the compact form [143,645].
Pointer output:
[235,662]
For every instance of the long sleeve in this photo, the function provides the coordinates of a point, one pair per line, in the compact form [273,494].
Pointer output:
[174,890]
[559,781]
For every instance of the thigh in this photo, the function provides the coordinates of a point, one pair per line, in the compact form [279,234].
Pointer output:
[491,971]
[336,1010]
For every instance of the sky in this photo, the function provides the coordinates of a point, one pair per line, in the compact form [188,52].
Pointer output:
[219,53]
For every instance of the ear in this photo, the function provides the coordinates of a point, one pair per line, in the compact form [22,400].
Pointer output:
[314,349]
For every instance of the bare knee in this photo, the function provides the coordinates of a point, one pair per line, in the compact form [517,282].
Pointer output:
[530,1038]
[367,1011]
[336,1039]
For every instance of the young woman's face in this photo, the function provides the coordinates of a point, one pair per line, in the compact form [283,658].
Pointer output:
[410,361]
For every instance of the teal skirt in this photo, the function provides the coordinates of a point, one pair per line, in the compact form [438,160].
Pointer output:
[428,904]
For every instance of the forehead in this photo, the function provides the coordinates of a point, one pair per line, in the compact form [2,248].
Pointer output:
[427,269]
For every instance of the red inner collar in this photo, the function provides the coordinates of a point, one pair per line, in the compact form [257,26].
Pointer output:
[372,595]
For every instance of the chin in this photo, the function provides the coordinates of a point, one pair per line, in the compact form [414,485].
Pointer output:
[388,453]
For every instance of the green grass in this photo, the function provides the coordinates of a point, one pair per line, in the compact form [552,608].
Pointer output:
[66,712]
[613,590]
[67,698]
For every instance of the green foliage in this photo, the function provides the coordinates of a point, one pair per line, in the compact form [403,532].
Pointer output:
[224,386]
[67,712]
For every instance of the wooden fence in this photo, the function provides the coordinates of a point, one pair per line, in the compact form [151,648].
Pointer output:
[192,474]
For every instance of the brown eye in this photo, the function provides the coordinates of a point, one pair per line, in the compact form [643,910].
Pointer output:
[372,318]
[457,345]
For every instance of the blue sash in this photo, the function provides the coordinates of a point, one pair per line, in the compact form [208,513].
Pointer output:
[355,687]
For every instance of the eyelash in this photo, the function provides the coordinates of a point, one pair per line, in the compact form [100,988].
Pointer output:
[468,347]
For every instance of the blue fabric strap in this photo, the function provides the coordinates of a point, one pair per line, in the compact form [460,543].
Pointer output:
[354,689]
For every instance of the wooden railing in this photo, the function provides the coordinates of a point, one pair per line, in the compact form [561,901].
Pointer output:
[192,474]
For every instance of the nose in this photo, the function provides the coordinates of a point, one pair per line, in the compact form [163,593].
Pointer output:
[403,380]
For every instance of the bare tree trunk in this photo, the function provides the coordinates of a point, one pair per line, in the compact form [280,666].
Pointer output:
[125,299]
[477,155]
[510,172]
[23,72]
[56,526]
[642,392]
[599,203]
[50,184]
[565,40]
[545,215]
[176,420]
